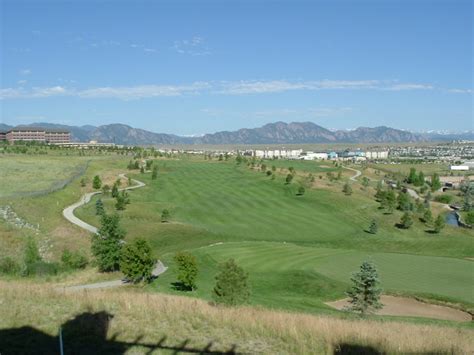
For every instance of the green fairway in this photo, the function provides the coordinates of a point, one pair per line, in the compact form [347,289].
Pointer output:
[299,250]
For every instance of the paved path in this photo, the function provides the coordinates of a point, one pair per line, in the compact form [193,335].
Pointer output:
[357,173]
[68,213]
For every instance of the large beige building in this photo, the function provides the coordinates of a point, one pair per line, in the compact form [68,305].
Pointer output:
[36,134]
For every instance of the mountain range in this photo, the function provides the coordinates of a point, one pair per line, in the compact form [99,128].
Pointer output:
[272,133]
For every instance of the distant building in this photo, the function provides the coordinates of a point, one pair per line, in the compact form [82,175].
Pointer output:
[377,154]
[459,167]
[36,134]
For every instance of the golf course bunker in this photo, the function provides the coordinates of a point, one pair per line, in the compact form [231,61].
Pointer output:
[409,307]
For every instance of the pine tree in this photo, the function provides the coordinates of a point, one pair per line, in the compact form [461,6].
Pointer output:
[137,261]
[289,178]
[231,285]
[365,292]
[439,224]
[165,216]
[347,189]
[96,183]
[301,191]
[379,190]
[99,207]
[435,182]
[412,177]
[154,173]
[406,221]
[373,228]
[187,270]
[115,190]
[428,216]
[107,243]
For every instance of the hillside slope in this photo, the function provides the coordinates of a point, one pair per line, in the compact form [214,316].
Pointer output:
[116,321]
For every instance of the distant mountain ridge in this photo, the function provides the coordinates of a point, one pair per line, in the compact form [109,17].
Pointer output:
[271,133]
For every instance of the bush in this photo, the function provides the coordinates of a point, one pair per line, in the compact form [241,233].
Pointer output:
[470,217]
[444,198]
[73,260]
[42,268]
[165,216]
[8,266]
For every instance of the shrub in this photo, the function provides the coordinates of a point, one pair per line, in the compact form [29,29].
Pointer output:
[165,216]
[301,191]
[73,260]
[443,198]
[42,268]
[470,217]
[97,182]
[9,266]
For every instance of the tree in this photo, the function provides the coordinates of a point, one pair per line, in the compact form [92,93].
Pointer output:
[435,182]
[115,190]
[96,183]
[365,291]
[105,189]
[187,270]
[365,182]
[83,182]
[373,228]
[99,207]
[420,181]
[269,173]
[406,221]
[439,224]
[289,178]
[142,170]
[154,173]
[107,243]
[404,202]
[31,257]
[301,191]
[339,175]
[122,200]
[379,192]
[137,261]
[165,216]
[347,189]
[428,216]
[412,177]
[231,285]
[73,260]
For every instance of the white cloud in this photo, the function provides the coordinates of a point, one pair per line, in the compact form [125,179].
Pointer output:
[21,82]
[409,86]
[25,71]
[150,50]
[461,91]
[195,46]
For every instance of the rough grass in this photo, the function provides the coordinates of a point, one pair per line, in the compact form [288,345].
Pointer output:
[184,324]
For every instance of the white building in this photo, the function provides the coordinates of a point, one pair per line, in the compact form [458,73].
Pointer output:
[377,154]
[459,168]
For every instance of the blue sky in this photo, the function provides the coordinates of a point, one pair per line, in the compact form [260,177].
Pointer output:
[192,67]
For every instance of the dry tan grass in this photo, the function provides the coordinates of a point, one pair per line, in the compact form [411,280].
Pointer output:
[252,330]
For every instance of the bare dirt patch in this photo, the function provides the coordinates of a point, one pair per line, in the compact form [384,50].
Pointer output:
[409,307]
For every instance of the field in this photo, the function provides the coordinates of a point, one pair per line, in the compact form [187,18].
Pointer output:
[299,250]
[27,175]
[127,320]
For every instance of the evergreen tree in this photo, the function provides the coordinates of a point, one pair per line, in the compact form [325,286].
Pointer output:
[99,207]
[347,189]
[428,217]
[406,221]
[107,243]
[439,224]
[404,202]
[137,261]
[420,181]
[231,285]
[96,183]
[142,170]
[289,178]
[187,270]
[412,177]
[165,216]
[379,190]
[301,191]
[373,228]
[435,182]
[105,189]
[365,291]
[154,173]
[115,190]
[365,182]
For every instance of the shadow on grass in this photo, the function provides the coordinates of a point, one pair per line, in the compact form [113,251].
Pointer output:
[87,334]
[353,349]
[179,286]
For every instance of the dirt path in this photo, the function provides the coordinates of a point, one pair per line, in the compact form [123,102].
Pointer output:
[409,307]
[357,173]
[68,213]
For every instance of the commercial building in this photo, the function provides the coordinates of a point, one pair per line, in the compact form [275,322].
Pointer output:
[36,134]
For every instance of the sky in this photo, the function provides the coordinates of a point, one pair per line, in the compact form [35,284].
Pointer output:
[194,67]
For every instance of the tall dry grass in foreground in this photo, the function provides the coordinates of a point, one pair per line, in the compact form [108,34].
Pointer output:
[152,316]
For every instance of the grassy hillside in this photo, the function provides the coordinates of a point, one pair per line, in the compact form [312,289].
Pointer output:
[115,321]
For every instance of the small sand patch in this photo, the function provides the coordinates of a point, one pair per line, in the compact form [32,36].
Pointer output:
[409,307]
